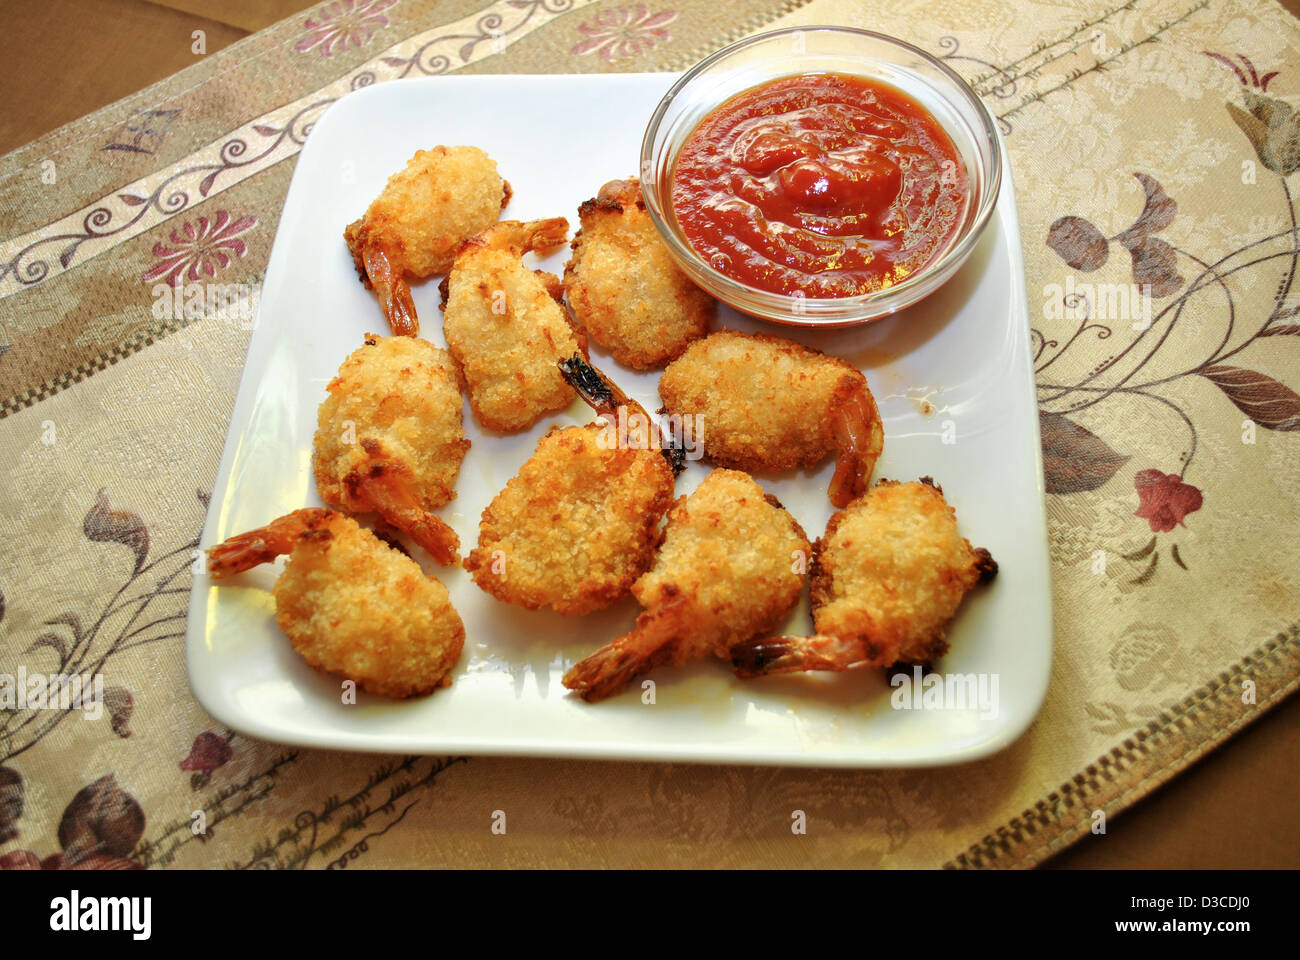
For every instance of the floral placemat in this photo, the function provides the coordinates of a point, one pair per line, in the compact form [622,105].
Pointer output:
[1152,145]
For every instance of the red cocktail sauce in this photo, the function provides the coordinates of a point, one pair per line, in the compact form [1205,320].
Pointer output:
[829,184]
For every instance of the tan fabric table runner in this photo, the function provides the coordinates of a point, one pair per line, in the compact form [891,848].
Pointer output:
[1151,142]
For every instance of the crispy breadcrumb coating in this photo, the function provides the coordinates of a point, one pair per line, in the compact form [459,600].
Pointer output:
[736,554]
[892,570]
[730,566]
[767,403]
[351,605]
[576,526]
[440,199]
[505,328]
[414,227]
[887,578]
[389,435]
[625,289]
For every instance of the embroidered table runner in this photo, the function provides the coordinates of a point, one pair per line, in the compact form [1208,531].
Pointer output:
[1152,145]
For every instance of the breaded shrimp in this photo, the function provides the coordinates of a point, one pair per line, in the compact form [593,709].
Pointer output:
[389,438]
[730,567]
[887,578]
[770,404]
[412,229]
[576,526]
[350,604]
[505,327]
[623,286]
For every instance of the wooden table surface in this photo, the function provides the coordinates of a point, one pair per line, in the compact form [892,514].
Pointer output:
[64,58]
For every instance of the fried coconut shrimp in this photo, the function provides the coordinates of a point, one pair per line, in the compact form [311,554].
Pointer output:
[577,525]
[350,604]
[413,228]
[389,438]
[729,569]
[623,286]
[505,326]
[887,578]
[770,404]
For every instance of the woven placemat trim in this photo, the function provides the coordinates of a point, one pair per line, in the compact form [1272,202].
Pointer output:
[1141,762]
[744,27]
[88,368]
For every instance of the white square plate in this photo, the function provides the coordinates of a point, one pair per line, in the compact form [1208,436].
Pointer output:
[956,368]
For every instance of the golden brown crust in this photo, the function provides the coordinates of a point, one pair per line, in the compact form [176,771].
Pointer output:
[553,284]
[730,566]
[429,207]
[595,205]
[613,197]
[354,607]
[354,235]
[625,289]
[575,527]
[505,329]
[394,404]
[891,571]
[735,557]
[821,586]
[766,403]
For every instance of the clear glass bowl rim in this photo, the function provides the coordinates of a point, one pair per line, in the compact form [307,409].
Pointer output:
[830,310]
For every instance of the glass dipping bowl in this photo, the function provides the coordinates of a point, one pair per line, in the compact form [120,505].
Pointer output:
[816,50]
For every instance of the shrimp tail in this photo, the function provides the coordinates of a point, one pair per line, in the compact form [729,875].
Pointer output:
[542,237]
[611,667]
[393,291]
[384,485]
[620,192]
[613,197]
[604,396]
[246,550]
[859,439]
[761,656]
[380,271]
[433,534]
